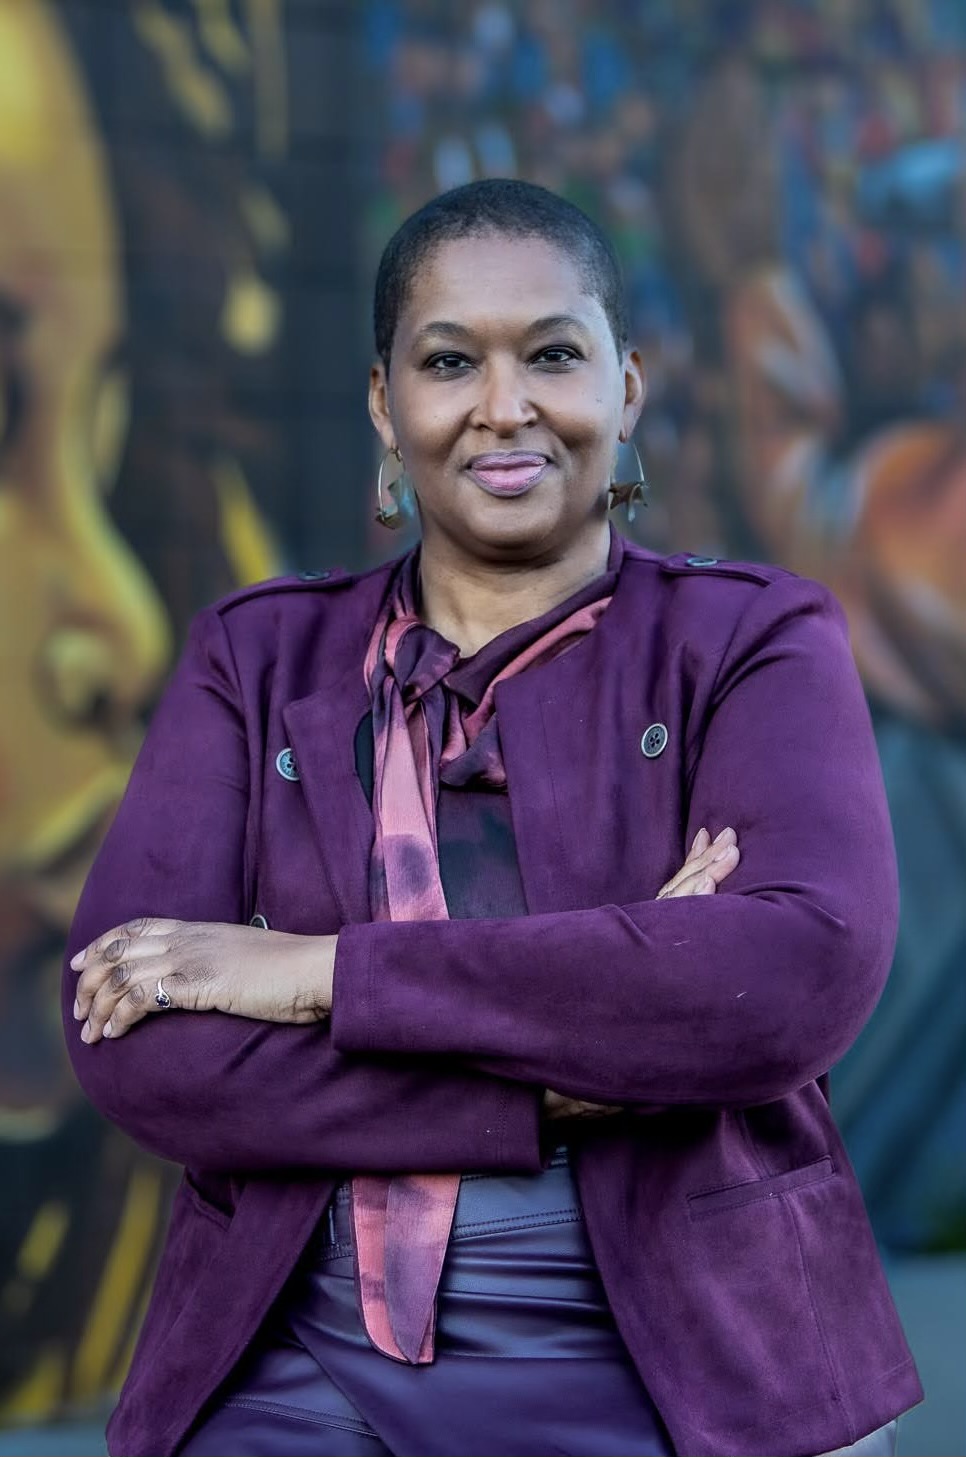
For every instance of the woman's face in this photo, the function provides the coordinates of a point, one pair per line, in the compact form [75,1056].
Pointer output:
[83,635]
[507,399]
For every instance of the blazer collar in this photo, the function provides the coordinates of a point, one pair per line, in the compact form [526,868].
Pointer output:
[570,731]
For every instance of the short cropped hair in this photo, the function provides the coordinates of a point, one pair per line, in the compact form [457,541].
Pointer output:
[507,208]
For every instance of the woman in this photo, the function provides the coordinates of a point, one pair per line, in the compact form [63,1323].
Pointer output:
[447,921]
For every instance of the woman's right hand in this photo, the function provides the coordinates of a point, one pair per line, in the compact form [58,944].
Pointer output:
[708,863]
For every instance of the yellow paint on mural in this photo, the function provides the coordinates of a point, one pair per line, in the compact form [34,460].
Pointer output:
[198,93]
[267,223]
[116,1377]
[246,538]
[252,315]
[26,136]
[82,624]
[271,77]
[221,37]
[27,1125]
[119,1284]
[37,1253]
[40,1391]
[43,1240]
[110,420]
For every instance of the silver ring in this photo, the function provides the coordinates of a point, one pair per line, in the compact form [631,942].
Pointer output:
[161,996]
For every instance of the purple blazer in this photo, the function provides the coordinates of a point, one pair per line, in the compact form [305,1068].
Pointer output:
[726,1221]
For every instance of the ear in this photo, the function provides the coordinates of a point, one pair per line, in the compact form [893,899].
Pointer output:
[379,404]
[635,390]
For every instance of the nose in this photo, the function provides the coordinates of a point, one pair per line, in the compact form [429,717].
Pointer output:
[504,405]
[109,640]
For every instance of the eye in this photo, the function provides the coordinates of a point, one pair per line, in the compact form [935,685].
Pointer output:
[557,356]
[450,363]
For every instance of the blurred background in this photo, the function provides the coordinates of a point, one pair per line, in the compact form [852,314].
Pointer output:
[193,196]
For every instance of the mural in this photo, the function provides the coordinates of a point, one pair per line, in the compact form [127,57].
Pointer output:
[786,181]
[131,307]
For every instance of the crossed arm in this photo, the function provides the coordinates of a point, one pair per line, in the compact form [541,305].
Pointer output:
[151,964]
[434,1062]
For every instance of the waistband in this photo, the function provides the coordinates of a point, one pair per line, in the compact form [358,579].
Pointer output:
[487,1204]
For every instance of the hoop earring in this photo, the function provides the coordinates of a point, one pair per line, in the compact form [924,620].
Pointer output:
[395,511]
[629,494]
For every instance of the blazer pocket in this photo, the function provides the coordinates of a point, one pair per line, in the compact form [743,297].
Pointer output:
[734,1196]
[205,1203]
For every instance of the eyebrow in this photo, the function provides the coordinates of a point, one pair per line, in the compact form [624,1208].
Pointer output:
[447,329]
[557,321]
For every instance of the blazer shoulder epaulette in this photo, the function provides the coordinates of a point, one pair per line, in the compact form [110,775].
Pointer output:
[314,580]
[307,581]
[690,564]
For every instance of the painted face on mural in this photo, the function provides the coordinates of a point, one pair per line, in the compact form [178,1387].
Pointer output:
[83,635]
[506,397]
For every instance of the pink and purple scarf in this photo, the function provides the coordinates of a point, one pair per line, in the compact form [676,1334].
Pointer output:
[424,733]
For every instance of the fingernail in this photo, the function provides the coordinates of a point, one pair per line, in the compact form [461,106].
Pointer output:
[108,1029]
[726,831]
[722,854]
[78,959]
[77,1010]
[86,1032]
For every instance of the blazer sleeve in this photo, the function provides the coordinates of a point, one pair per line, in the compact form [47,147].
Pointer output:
[727,1000]
[226,1093]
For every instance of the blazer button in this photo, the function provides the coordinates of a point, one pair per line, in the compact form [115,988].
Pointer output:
[313,576]
[286,765]
[654,741]
[701,561]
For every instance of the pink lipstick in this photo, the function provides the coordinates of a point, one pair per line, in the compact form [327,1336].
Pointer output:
[507,472]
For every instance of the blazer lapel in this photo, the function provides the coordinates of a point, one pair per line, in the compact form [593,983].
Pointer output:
[321,730]
[590,811]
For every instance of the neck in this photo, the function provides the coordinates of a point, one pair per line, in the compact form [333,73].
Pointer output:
[470,602]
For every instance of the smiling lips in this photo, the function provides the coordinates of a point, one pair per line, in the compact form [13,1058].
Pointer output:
[507,472]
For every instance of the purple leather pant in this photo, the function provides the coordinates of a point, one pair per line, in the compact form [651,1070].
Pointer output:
[528,1358]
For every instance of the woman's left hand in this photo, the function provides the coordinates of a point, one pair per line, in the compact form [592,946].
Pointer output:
[203,966]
